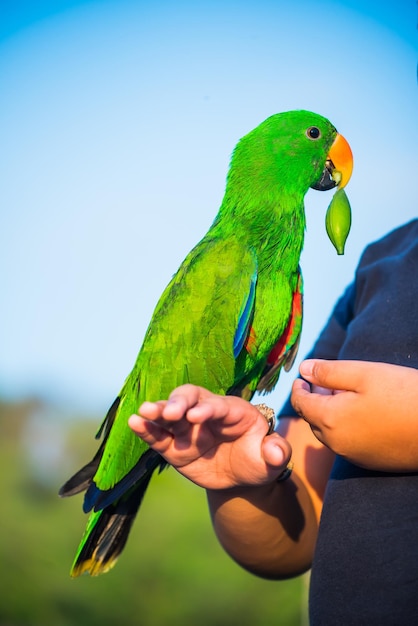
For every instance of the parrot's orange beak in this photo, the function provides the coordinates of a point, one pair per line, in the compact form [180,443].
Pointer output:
[341,159]
[338,166]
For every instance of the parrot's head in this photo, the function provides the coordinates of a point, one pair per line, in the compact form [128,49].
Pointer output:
[291,152]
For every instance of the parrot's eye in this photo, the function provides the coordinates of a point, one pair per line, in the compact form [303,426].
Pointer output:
[313,132]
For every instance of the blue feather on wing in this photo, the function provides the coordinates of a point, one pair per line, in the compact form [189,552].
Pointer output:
[245,315]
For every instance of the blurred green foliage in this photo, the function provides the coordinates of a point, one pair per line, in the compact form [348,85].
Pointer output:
[172,571]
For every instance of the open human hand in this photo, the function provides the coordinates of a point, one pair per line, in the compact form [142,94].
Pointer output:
[218,442]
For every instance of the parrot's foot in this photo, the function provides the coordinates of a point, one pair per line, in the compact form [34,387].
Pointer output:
[269,415]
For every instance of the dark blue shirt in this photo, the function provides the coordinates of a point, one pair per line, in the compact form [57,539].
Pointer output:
[365,569]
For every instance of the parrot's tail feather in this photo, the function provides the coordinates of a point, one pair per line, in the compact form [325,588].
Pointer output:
[141,473]
[81,480]
[108,420]
[107,532]
[271,373]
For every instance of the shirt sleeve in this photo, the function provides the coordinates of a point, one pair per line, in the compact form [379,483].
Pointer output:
[331,339]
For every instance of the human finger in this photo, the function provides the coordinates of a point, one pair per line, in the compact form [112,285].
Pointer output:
[154,413]
[346,375]
[309,405]
[152,410]
[175,408]
[276,451]
[200,405]
[152,433]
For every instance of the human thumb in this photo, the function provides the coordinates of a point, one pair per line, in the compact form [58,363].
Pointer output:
[341,375]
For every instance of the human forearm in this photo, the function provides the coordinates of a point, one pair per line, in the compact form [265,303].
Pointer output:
[269,530]
[221,444]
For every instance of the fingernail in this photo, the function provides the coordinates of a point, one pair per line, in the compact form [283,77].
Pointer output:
[145,405]
[132,421]
[280,455]
[306,367]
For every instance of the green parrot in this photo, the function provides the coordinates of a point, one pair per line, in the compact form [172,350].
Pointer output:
[230,318]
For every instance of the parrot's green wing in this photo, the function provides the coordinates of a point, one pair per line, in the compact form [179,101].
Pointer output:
[190,340]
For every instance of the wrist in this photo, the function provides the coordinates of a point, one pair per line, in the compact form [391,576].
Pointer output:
[251,491]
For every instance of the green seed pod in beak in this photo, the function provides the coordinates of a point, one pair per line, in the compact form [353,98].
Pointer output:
[338,220]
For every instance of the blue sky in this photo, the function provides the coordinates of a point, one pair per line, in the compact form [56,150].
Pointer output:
[117,121]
